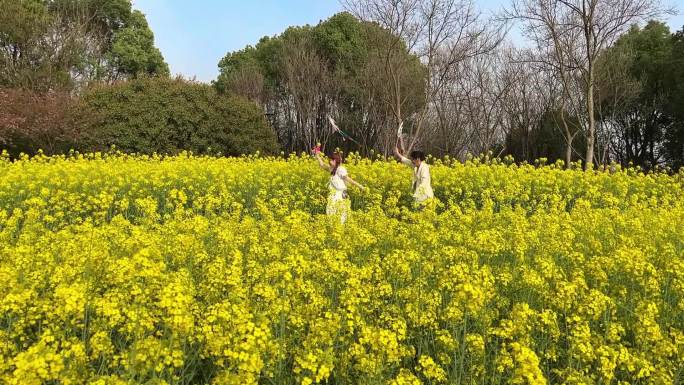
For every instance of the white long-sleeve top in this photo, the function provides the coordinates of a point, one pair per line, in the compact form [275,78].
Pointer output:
[422,188]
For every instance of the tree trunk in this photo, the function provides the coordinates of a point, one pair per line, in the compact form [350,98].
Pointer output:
[568,152]
[569,137]
[591,128]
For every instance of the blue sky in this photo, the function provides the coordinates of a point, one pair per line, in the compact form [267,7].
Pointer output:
[194,35]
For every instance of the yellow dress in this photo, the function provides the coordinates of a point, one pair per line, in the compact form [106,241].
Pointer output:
[338,203]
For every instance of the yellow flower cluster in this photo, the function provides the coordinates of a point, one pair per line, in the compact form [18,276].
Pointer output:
[126,269]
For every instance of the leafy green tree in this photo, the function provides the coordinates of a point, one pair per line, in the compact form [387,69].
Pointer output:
[28,58]
[335,67]
[633,98]
[232,64]
[342,40]
[63,44]
[133,52]
[357,54]
[674,137]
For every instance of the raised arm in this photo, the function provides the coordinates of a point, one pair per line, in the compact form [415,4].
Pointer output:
[397,152]
[402,158]
[321,163]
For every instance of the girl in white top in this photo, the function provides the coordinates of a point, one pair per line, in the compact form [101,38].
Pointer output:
[422,188]
[338,202]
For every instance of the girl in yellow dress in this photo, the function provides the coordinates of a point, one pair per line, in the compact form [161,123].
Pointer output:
[338,201]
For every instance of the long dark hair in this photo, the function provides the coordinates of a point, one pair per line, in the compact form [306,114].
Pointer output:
[337,158]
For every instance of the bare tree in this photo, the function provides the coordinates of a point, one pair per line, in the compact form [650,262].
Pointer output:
[248,81]
[43,117]
[565,89]
[574,33]
[399,19]
[308,86]
[529,93]
[447,123]
[616,92]
[470,113]
[442,33]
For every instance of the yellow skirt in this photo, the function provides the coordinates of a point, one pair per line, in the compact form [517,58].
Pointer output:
[338,205]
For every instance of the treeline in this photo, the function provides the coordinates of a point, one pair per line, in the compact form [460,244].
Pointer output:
[306,74]
[85,75]
[458,86]
[596,84]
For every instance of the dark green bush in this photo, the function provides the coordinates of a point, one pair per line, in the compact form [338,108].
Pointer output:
[170,115]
